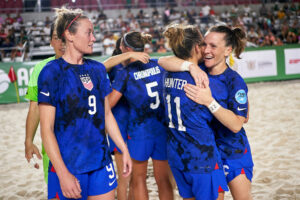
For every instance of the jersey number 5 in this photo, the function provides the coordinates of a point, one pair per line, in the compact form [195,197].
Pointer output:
[153,94]
[178,113]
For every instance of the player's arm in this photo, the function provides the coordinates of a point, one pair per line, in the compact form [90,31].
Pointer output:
[203,96]
[117,59]
[32,122]
[175,64]
[114,97]
[114,132]
[69,184]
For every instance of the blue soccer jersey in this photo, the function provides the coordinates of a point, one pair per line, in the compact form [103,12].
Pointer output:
[121,109]
[141,84]
[191,141]
[230,90]
[78,92]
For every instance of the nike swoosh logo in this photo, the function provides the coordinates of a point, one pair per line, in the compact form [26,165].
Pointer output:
[240,109]
[46,94]
[110,183]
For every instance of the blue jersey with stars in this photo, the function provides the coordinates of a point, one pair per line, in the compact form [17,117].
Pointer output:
[141,85]
[230,91]
[121,109]
[78,93]
[191,141]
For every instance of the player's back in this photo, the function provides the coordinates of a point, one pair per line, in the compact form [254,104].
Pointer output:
[141,84]
[191,144]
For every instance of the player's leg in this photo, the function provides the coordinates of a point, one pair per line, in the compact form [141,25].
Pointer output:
[138,179]
[123,182]
[240,188]
[163,179]
[107,196]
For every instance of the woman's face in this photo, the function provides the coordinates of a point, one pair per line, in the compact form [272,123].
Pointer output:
[214,50]
[84,38]
[57,45]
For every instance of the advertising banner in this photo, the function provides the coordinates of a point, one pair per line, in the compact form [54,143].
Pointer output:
[256,64]
[14,78]
[292,61]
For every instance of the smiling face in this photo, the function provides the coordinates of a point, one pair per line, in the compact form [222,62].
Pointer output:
[214,50]
[84,38]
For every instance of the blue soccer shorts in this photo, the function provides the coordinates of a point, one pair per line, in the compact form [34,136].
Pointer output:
[93,183]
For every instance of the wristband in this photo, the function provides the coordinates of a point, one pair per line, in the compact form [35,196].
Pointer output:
[214,106]
[185,66]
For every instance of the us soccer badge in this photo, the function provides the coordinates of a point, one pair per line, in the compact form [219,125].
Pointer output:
[86,81]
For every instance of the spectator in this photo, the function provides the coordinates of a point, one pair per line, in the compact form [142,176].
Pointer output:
[109,44]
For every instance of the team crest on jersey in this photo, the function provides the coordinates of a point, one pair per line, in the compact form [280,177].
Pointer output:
[86,81]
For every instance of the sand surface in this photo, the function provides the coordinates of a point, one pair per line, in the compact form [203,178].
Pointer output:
[273,132]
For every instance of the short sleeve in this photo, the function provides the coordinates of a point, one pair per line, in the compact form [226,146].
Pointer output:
[32,90]
[48,84]
[238,96]
[120,81]
[107,88]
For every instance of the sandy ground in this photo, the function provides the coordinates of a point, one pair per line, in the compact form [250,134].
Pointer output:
[273,131]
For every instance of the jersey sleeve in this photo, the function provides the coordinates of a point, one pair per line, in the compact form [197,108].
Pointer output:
[48,84]
[32,89]
[107,86]
[120,81]
[238,96]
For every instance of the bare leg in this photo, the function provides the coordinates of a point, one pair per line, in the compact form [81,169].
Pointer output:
[139,175]
[107,196]
[123,182]
[240,188]
[163,179]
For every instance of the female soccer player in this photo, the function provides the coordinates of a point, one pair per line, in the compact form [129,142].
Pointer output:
[192,152]
[229,105]
[141,85]
[121,112]
[33,118]
[74,113]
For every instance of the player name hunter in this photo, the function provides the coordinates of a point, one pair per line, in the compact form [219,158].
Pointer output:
[175,83]
[146,73]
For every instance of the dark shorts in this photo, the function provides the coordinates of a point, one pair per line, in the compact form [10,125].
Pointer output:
[142,150]
[204,186]
[97,182]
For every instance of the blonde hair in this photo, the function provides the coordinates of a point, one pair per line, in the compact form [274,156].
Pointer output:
[67,19]
[182,38]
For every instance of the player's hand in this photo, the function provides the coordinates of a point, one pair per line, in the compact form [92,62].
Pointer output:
[30,150]
[141,56]
[199,95]
[127,164]
[199,76]
[70,186]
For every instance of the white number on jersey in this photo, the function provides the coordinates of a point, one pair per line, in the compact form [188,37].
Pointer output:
[153,94]
[92,104]
[109,168]
[178,112]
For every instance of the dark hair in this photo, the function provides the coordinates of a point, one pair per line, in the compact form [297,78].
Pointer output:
[117,50]
[136,40]
[182,39]
[51,30]
[235,37]
[67,19]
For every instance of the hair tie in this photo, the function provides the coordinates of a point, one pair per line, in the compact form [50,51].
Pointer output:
[70,24]
[128,45]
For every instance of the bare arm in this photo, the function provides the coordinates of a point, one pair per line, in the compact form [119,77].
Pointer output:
[32,122]
[68,183]
[225,116]
[114,132]
[114,97]
[115,60]
[173,64]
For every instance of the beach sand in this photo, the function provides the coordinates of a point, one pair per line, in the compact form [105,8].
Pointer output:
[273,131]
